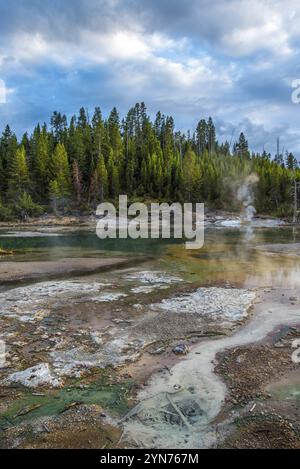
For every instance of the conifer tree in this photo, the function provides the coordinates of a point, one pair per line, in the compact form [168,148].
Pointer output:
[18,175]
[85,162]
[60,183]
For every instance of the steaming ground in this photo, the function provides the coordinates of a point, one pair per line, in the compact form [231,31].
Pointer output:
[193,387]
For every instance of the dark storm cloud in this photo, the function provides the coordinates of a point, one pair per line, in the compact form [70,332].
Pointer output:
[61,19]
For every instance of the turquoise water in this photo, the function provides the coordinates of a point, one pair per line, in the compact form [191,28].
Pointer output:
[228,256]
[80,243]
[87,240]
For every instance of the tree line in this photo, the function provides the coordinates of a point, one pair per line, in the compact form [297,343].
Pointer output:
[70,167]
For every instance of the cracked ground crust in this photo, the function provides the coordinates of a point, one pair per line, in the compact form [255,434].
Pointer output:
[250,373]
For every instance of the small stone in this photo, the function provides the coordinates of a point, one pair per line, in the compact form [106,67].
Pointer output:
[181,349]
[177,387]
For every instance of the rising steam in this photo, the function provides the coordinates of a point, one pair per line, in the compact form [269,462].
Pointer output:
[245,195]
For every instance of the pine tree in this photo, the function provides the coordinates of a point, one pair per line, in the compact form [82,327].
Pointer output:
[18,175]
[241,148]
[87,162]
[291,161]
[55,194]
[191,175]
[59,127]
[103,179]
[8,148]
[77,182]
[114,133]
[201,134]
[40,165]
[60,184]
[211,136]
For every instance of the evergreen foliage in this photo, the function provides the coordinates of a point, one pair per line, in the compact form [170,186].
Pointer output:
[73,166]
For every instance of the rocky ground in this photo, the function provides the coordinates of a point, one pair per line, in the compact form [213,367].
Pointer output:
[91,350]
[71,221]
[258,416]
[51,220]
[82,347]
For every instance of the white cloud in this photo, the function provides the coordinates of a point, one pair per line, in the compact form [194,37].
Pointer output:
[90,47]
[269,36]
[232,59]
[3,92]
[234,27]
[178,81]
[257,25]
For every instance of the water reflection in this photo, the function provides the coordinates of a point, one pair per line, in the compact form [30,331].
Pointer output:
[230,255]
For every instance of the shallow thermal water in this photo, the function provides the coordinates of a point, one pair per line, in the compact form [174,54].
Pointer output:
[201,387]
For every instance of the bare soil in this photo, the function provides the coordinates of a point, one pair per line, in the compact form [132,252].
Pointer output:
[260,419]
[18,271]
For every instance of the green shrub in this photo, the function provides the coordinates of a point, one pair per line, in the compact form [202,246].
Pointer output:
[27,208]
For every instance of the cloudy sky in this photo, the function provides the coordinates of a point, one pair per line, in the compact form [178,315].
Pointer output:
[232,59]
